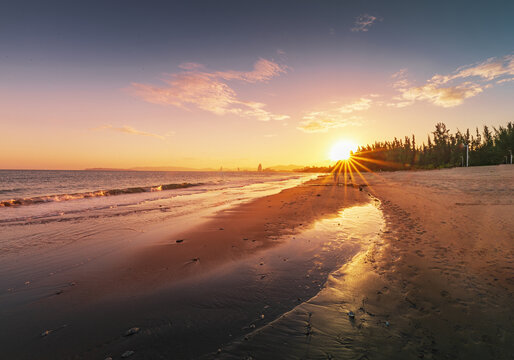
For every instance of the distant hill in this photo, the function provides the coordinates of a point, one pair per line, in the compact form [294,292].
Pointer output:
[289,167]
[151,168]
[284,168]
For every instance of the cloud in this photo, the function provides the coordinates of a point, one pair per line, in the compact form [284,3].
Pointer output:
[363,23]
[491,69]
[452,89]
[502,81]
[130,130]
[337,117]
[443,96]
[322,123]
[210,92]
[359,105]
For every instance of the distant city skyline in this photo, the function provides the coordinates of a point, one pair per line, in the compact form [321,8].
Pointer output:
[204,84]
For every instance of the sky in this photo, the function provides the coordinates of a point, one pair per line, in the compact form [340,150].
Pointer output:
[204,84]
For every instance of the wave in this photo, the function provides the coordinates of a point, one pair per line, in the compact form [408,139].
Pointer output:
[90,194]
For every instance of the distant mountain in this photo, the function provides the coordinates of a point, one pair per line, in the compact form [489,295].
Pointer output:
[152,168]
[285,168]
[169,168]
[289,167]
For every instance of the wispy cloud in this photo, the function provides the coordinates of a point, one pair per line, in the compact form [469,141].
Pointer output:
[336,117]
[209,91]
[363,23]
[130,130]
[452,89]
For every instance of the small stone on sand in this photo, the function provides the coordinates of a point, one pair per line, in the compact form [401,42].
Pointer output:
[179,241]
[132,331]
[127,353]
[351,314]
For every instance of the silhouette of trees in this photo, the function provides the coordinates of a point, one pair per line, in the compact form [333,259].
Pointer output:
[442,149]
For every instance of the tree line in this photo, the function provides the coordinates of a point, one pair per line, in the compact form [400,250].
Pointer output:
[442,149]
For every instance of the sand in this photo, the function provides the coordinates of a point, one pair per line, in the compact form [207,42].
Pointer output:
[437,284]
[447,264]
[202,292]
[264,280]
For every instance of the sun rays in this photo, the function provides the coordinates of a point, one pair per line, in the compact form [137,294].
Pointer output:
[350,168]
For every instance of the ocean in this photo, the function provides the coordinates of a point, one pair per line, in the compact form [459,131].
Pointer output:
[40,208]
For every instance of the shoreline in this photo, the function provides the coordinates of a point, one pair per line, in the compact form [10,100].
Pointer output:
[436,282]
[434,285]
[149,279]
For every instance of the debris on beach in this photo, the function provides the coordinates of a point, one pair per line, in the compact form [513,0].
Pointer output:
[132,331]
[179,241]
[59,292]
[387,324]
[46,333]
[351,315]
[127,353]
[222,229]
[195,259]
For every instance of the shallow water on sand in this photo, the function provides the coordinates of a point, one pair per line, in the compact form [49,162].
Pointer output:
[320,327]
[262,297]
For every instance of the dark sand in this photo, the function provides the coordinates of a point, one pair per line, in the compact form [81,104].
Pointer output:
[189,297]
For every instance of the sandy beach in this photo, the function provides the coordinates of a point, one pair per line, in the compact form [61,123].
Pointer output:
[423,259]
[438,284]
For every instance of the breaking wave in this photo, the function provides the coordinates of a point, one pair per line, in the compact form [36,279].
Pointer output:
[91,194]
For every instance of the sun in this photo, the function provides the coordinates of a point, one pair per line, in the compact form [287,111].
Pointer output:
[342,150]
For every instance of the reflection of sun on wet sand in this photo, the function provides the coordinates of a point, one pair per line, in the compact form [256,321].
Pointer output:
[437,284]
[431,275]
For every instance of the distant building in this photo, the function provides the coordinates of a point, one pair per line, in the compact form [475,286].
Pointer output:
[259,168]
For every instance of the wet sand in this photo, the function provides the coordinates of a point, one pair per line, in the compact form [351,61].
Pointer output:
[233,274]
[437,284]
[423,259]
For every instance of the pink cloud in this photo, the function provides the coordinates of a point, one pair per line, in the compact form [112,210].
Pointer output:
[452,89]
[335,117]
[130,130]
[210,92]
[363,23]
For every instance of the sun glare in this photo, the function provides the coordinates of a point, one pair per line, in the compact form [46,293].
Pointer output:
[342,150]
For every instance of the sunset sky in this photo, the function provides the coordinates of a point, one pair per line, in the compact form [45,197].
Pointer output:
[237,83]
